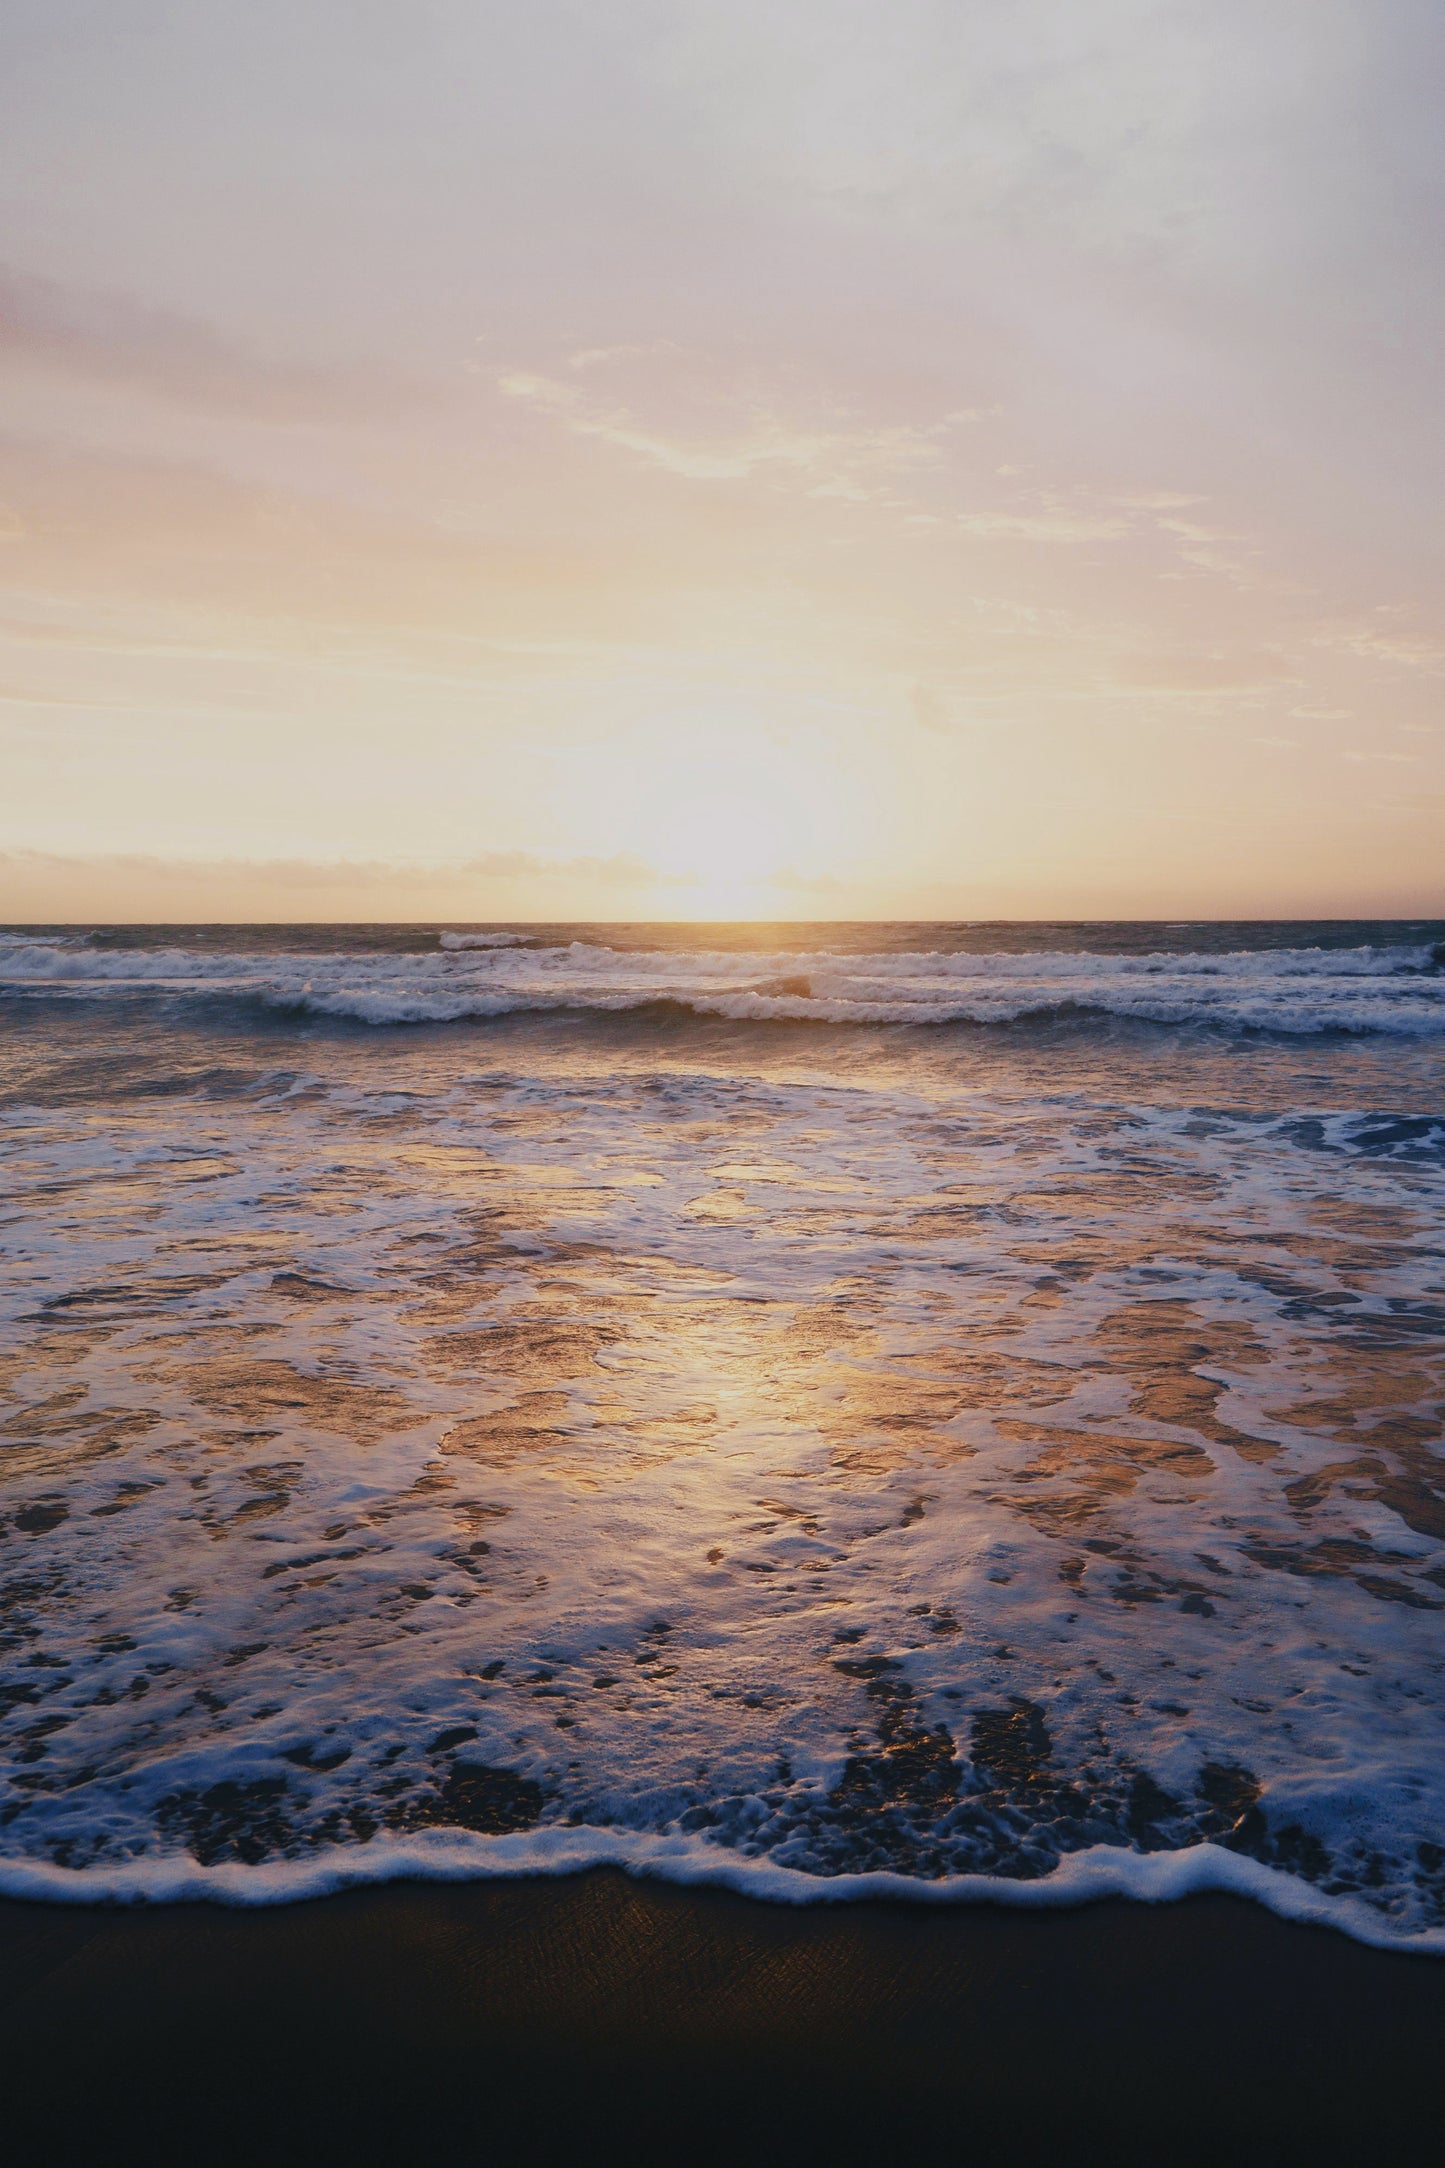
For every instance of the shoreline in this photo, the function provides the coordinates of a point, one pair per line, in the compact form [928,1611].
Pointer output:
[1091,1876]
[601,2017]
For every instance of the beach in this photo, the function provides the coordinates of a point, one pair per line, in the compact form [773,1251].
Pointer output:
[605,2019]
[722,1084]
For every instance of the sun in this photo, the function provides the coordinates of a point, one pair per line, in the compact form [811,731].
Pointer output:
[726,844]
[727,815]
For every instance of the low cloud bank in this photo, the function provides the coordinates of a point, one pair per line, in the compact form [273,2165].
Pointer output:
[41,887]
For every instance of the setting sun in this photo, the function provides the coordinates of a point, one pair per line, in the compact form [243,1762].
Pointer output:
[722,837]
[735,820]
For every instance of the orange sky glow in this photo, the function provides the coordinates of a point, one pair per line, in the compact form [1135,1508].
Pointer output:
[691,460]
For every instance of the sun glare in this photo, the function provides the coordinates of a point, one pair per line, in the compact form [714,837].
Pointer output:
[728,831]
[724,844]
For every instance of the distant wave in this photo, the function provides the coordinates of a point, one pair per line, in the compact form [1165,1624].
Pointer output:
[483,940]
[1396,991]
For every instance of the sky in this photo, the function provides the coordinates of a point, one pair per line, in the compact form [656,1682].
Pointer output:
[506,459]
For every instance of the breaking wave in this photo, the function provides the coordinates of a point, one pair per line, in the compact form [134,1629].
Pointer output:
[1395,991]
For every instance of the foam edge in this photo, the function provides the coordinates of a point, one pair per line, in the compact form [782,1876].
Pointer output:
[1087,1877]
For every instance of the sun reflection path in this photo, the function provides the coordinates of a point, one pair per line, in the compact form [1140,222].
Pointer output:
[859,1479]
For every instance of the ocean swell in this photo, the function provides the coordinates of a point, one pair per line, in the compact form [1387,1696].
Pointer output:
[1393,991]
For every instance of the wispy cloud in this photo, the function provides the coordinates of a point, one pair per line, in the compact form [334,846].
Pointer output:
[1390,641]
[621,870]
[1045,521]
[43,887]
[606,357]
[911,468]
[115,339]
[846,459]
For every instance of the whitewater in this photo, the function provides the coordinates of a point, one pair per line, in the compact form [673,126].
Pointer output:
[948,1411]
[1393,989]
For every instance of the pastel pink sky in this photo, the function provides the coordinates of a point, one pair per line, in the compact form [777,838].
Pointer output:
[692,457]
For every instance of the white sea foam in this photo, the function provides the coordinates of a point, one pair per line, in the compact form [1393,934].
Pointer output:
[1392,991]
[827,1485]
[1087,1877]
[482,940]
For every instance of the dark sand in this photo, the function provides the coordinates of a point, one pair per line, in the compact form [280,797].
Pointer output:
[601,2019]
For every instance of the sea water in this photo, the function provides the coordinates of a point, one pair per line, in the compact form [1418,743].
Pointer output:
[947,1409]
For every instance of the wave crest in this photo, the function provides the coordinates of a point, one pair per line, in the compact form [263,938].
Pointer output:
[1391,991]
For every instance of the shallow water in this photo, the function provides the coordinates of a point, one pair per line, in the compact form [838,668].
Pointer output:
[718,1419]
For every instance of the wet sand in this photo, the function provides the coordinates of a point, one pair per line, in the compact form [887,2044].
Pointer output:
[600,2019]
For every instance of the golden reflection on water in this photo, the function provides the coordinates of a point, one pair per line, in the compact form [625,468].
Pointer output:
[536,1336]
[994,1395]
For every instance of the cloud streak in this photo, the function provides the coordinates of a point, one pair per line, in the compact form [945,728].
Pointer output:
[114,339]
[752,440]
[50,887]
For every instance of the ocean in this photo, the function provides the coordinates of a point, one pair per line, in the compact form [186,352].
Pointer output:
[948,1410]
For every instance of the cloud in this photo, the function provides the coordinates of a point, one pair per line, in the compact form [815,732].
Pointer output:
[623,870]
[606,357]
[1046,523]
[49,887]
[116,339]
[750,437]
[843,456]
[1159,500]
[112,536]
[1397,649]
